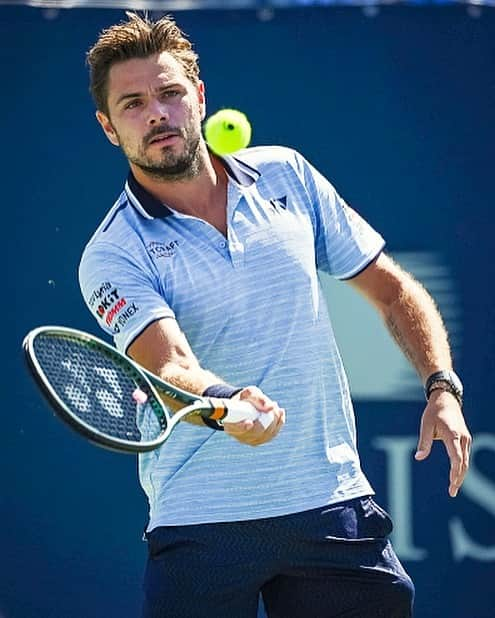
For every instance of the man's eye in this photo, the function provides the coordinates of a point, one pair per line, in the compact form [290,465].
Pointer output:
[132,104]
[170,93]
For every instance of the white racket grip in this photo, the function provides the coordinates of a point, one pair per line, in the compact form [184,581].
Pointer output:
[245,411]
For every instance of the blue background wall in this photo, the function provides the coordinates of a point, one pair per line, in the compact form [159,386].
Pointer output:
[398,112]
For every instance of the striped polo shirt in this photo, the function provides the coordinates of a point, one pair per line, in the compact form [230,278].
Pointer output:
[252,309]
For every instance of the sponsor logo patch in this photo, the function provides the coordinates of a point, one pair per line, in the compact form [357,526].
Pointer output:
[162,250]
[107,302]
[99,293]
[123,315]
[115,310]
[110,307]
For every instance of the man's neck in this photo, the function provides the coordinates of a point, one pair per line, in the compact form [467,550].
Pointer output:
[195,196]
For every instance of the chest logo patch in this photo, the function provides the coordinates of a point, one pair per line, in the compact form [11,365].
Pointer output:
[159,250]
[280,203]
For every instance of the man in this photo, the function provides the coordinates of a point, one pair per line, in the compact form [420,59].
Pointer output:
[212,266]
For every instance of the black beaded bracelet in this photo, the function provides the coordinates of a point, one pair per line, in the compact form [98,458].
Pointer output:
[223,391]
[446,380]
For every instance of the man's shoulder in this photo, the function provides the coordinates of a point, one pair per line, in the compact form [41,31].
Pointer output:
[112,226]
[264,158]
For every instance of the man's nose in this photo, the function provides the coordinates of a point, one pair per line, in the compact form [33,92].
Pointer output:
[157,112]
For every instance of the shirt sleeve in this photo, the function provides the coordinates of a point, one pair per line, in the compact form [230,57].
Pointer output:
[121,295]
[345,243]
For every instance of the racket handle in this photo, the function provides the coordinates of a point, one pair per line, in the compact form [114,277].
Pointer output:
[245,411]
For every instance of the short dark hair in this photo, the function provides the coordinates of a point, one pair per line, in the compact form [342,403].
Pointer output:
[138,37]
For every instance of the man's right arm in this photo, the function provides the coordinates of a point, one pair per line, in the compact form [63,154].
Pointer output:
[109,276]
[164,350]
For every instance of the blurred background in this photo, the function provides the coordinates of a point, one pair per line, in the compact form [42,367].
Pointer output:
[394,103]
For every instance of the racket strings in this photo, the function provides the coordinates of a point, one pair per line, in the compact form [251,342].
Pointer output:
[99,389]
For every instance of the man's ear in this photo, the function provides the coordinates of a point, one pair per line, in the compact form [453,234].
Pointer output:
[107,127]
[202,99]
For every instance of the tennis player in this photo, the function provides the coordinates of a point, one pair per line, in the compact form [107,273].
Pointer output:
[205,271]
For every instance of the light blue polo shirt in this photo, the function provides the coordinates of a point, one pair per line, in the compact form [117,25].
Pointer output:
[252,309]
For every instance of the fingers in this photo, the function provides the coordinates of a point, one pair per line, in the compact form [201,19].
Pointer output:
[253,432]
[443,420]
[454,451]
[458,446]
[466,442]
[458,450]
[258,398]
[426,436]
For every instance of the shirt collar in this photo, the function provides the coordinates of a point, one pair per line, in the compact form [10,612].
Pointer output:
[151,208]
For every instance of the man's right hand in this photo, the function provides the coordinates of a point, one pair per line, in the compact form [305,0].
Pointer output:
[252,432]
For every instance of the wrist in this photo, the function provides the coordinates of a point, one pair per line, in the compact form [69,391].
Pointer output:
[441,396]
[221,391]
[447,381]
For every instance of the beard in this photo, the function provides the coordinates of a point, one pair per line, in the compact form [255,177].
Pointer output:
[171,165]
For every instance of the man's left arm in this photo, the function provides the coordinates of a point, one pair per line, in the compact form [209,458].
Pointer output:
[415,323]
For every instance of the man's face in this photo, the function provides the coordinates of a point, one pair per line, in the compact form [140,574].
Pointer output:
[155,115]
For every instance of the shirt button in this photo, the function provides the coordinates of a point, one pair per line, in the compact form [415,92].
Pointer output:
[223,244]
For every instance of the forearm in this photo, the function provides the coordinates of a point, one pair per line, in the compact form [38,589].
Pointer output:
[163,350]
[417,326]
[194,379]
[191,379]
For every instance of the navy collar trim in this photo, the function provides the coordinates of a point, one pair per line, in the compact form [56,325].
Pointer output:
[151,208]
[147,205]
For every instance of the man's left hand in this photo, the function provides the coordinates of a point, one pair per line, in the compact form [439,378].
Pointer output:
[443,420]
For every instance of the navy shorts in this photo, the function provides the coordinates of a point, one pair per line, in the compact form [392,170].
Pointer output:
[334,561]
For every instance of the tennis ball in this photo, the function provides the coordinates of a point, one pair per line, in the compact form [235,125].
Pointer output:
[227,131]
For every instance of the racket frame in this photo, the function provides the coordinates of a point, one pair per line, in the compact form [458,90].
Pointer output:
[209,407]
[75,422]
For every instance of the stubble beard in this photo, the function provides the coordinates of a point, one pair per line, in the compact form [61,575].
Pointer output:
[172,166]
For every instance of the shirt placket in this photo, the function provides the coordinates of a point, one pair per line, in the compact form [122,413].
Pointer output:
[235,244]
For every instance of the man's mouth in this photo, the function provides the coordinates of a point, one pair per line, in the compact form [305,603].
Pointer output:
[163,138]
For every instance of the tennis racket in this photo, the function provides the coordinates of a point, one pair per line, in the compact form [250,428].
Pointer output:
[110,399]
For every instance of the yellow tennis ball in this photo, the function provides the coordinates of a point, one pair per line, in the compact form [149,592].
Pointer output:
[227,131]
